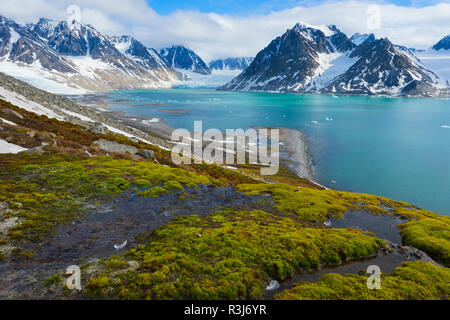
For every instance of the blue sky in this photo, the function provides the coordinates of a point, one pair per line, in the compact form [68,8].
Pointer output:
[245,7]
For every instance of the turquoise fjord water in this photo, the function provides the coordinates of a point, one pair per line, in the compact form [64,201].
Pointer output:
[394,147]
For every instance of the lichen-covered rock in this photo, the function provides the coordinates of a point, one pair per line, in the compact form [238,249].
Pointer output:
[13,113]
[147,154]
[110,146]
[98,128]
[35,151]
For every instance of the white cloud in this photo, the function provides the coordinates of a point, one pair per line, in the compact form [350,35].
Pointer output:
[214,35]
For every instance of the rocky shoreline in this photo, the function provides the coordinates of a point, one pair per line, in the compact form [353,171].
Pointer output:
[294,142]
[293,145]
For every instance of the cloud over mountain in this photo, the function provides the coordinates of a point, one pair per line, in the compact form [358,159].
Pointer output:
[214,35]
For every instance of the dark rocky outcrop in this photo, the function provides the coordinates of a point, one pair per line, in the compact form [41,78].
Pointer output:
[184,58]
[300,59]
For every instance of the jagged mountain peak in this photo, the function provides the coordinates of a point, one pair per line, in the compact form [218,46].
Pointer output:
[74,39]
[180,57]
[323,59]
[294,60]
[80,57]
[384,68]
[326,30]
[359,38]
[237,63]
[443,44]
[141,54]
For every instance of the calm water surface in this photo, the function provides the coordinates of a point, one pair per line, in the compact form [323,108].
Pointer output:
[394,147]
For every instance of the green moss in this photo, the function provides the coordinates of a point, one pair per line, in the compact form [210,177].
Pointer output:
[173,185]
[411,281]
[51,189]
[53,280]
[98,285]
[427,231]
[153,192]
[116,263]
[226,255]
[29,254]
[142,183]
[307,203]
[429,235]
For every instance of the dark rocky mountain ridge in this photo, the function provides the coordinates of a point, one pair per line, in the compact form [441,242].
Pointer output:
[183,58]
[323,60]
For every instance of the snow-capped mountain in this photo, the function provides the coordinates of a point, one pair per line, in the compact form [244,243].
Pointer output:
[382,68]
[292,61]
[359,38]
[145,57]
[183,58]
[443,44]
[437,58]
[240,63]
[76,58]
[19,45]
[322,59]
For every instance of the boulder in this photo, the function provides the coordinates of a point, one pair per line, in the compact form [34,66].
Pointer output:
[99,128]
[147,154]
[35,151]
[13,113]
[110,146]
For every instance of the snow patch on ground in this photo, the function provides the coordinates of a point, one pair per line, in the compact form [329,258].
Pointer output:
[115,130]
[8,122]
[77,115]
[30,106]
[6,147]
[37,76]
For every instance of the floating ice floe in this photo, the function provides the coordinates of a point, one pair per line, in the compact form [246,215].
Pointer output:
[314,121]
[120,246]
[445,126]
[329,119]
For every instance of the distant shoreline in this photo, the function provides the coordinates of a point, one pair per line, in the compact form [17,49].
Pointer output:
[294,153]
[294,143]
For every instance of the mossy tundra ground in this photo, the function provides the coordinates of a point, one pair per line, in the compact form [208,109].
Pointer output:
[229,254]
